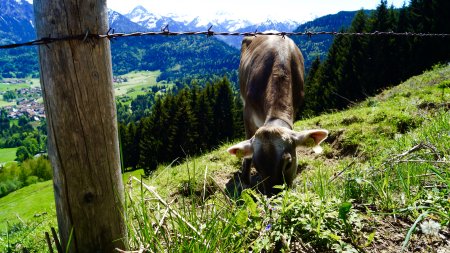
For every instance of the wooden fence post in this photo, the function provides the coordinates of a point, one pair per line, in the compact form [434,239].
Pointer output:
[76,79]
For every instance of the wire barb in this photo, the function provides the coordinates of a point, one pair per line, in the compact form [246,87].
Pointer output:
[210,33]
[86,35]
[165,29]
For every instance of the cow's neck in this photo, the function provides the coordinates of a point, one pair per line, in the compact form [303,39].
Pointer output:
[278,122]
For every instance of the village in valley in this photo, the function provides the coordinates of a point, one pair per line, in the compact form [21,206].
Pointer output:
[25,101]
[25,97]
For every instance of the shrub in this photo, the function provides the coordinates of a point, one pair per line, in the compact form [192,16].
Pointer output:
[31,180]
[9,186]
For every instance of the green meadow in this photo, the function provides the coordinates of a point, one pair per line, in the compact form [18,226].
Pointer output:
[137,83]
[7,154]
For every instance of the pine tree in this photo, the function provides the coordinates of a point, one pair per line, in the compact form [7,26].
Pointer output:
[152,138]
[223,108]
[403,45]
[238,117]
[185,133]
[210,98]
[133,135]
[310,91]
[204,115]
[380,50]
[123,144]
[352,79]
[4,120]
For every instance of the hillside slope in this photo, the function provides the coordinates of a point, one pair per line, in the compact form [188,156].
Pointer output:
[384,172]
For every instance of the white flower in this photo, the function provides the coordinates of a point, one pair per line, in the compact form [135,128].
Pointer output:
[430,227]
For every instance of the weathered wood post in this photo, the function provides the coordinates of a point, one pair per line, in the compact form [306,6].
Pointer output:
[76,79]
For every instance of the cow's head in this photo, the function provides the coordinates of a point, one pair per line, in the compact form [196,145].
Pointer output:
[273,152]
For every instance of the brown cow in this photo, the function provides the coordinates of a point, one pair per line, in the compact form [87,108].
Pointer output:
[271,81]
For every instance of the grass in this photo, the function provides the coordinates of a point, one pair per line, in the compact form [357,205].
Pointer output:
[7,86]
[7,154]
[137,83]
[382,178]
[24,204]
[4,103]
[24,216]
[29,212]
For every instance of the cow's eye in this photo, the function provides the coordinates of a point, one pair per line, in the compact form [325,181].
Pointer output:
[287,160]
[287,157]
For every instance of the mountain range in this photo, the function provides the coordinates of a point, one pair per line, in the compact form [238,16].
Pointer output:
[153,22]
[16,21]
[178,58]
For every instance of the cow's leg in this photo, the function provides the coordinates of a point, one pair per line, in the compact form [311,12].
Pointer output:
[250,129]
[246,168]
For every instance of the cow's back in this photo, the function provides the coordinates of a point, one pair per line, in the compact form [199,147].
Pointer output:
[271,76]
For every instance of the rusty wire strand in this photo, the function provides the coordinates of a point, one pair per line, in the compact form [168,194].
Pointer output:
[209,33]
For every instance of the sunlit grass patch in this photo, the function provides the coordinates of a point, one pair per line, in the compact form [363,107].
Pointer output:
[7,154]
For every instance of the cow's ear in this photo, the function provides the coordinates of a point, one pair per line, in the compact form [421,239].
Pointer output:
[246,42]
[310,138]
[242,149]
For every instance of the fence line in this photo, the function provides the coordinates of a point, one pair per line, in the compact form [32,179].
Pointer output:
[165,32]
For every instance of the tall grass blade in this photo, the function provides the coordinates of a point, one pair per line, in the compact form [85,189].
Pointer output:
[411,230]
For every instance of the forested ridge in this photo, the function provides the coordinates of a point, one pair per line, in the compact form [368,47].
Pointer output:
[318,45]
[360,66]
[180,59]
[192,121]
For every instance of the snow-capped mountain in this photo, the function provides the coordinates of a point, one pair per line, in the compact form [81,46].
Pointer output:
[268,25]
[17,21]
[154,22]
[140,14]
[120,23]
[222,22]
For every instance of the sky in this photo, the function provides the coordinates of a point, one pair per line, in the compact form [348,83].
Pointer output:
[253,10]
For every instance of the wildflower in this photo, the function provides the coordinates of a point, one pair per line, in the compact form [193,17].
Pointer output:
[430,227]
[268,227]
[273,207]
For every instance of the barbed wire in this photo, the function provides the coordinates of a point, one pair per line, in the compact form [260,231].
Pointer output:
[165,32]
